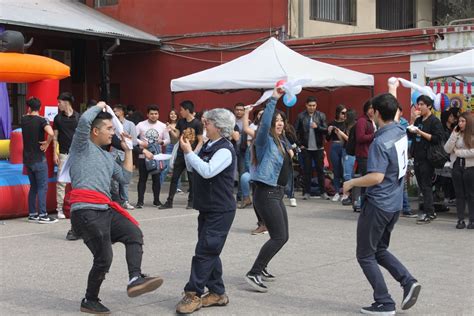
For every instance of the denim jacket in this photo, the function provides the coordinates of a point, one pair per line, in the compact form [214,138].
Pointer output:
[269,158]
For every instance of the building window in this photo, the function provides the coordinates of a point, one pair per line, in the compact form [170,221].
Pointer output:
[336,11]
[395,14]
[105,3]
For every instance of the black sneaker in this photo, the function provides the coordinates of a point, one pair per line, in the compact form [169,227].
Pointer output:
[33,218]
[167,205]
[189,206]
[409,214]
[139,205]
[143,284]
[423,219]
[267,276]
[378,309]
[347,201]
[255,281]
[461,225]
[410,295]
[157,204]
[432,216]
[93,307]
[71,235]
[470,225]
[47,220]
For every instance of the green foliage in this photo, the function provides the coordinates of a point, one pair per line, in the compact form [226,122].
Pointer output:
[449,10]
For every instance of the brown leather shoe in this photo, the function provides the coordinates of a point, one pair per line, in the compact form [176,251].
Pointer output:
[261,229]
[213,299]
[245,202]
[189,303]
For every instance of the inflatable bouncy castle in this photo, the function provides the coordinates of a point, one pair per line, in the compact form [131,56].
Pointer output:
[42,75]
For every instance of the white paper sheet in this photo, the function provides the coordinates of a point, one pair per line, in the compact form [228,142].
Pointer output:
[402,153]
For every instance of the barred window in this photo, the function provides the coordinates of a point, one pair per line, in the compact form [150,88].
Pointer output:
[105,3]
[396,14]
[336,11]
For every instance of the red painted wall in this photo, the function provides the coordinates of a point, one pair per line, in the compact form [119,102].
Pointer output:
[172,17]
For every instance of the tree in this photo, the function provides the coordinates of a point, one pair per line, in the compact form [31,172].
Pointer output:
[449,10]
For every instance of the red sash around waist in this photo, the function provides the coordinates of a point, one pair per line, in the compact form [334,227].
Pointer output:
[94,197]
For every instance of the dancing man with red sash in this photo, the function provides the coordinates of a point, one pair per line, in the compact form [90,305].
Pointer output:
[98,220]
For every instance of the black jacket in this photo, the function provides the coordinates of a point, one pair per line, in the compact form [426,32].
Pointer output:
[302,128]
[432,125]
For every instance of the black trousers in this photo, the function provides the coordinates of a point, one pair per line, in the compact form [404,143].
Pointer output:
[318,157]
[374,228]
[259,218]
[99,230]
[178,168]
[463,180]
[424,176]
[142,179]
[269,203]
[206,266]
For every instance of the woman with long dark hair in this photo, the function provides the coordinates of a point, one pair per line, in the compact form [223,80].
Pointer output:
[337,147]
[348,159]
[270,169]
[461,147]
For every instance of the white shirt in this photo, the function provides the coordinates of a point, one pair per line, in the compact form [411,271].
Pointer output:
[219,161]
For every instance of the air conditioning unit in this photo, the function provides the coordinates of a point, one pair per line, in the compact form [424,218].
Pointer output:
[63,56]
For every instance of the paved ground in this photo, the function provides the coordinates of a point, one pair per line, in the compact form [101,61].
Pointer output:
[43,274]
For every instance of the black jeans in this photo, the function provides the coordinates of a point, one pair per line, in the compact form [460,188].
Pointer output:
[424,174]
[142,179]
[240,170]
[374,228]
[463,180]
[178,168]
[99,230]
[269,203]
[259,218]
[318,157]
[206,266]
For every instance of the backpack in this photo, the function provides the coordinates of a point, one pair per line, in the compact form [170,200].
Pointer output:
[436,155]
[351,142]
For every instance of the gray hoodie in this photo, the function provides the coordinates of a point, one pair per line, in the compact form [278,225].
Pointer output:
[92,168]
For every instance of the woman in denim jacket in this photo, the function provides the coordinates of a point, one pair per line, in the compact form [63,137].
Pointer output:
[270,170]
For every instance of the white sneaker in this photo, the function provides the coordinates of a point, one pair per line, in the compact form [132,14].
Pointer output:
[336,197]
[61,215]
[293,202]
[324,196]
[128,206]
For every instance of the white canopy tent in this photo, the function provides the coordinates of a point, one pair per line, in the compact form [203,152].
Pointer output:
[461,64]
[264,66]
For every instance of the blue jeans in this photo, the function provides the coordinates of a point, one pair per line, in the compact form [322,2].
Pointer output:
[290,186]
[38,175]
[336,154]
[164,173]
[119,191]
[245,184]
[406,203]
[348,163]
